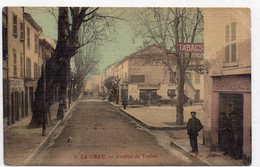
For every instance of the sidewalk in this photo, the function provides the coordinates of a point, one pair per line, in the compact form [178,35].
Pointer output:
[163,118]
[21,144]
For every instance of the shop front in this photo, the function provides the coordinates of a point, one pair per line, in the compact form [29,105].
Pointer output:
[231,107]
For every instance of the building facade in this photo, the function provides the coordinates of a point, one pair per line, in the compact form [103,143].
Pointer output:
[228,88]
[5,64]
[22,62]
[144,72]
[33,59]
[15,59]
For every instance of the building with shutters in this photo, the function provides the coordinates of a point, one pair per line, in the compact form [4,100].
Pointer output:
[228,90]
[33,59]
[15,65]
[143,72]
[22,61]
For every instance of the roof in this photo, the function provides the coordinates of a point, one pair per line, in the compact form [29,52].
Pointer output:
[49,40]
[139,52]
[30,19]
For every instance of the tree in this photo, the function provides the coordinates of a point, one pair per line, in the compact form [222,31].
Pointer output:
[58,66]
[167,27]
[112,85]
[87,57]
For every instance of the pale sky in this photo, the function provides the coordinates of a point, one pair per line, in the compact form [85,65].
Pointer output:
[124,42]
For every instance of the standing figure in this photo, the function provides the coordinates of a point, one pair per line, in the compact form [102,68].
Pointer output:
[125,102]
[61,109]
[193,127]
[225,133]
[237,135]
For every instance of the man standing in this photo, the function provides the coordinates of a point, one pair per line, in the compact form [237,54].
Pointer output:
[193,127]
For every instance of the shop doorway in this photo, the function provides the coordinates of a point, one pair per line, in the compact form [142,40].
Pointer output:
[147,96]
[231,117]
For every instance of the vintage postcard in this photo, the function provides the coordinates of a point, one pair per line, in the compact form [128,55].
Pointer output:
[126,86]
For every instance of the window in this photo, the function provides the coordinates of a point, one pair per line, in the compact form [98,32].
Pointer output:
[189,76]
[197,95]
[126,79]
[28,37]
[137,78]
[197,78]
[231,46]
[28,68]
[15,25]
[21,63]
[35,70]
[173,77]
[4,37]
[21,31]
[171,93]
[157,62]
[35,43]
[15,62]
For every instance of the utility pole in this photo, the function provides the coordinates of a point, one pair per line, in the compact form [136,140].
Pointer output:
[44,95]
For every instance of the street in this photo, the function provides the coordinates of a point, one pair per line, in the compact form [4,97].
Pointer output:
[97,134]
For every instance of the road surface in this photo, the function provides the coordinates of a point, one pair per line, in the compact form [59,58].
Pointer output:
[98,134]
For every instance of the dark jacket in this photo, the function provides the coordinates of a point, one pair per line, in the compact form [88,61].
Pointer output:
[194,126]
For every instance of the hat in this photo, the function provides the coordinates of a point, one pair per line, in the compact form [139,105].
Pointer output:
[193,112]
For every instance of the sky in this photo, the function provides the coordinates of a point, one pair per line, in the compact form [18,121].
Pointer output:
[123,43]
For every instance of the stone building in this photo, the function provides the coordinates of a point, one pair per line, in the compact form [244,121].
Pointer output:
[144,72]
[22,61]
[33,59]
[228,89]
[15,60]
[5,64]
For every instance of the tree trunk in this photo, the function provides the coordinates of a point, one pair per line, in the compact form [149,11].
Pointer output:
[37,108]
[180,95]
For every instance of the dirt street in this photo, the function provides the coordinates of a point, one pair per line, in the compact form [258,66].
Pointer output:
[97,134]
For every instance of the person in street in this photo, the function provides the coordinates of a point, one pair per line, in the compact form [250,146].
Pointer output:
[193,127]
[225,133]
[237,135]
[60,113]
[125,102]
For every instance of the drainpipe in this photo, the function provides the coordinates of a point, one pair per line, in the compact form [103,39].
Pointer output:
[7,77]
[24,71]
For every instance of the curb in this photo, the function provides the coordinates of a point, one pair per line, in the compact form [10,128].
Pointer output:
[187,153]
[181,127]
[46,139]
[172,144]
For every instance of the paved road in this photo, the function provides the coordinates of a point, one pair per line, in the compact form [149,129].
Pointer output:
[102,136]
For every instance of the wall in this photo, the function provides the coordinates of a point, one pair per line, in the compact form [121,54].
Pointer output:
[223,78]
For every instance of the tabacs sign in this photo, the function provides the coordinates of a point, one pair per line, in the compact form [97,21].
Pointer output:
[190,47]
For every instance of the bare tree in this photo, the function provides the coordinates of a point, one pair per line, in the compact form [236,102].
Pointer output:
[57,71]
[167,27]
[84,63]
[112,85]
